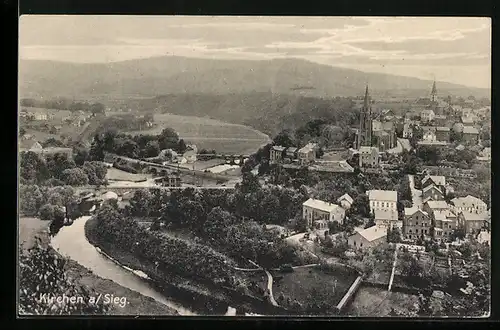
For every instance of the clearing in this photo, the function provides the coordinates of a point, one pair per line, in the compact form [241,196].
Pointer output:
[376,302]
[302,282]
[29,229]
[115,174]
[210,134]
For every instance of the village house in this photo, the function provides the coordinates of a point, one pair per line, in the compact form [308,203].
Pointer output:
[382,200]
[189,155]
[440,120]
[29,145]
[171,180]
[438,180]
[472,222]
[444,223]
[276,154]
[291,153]
[432,192]
[427,115]
[429,135]
[470,135]
[468,204]
[442,133]
[407,130]
[314,210]
[467,120]
[368,157]
[345,201]
[416,223]
[387,218]
[435,206]
[307,154]
[485,155]
[368,238]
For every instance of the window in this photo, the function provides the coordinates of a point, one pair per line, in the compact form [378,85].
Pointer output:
[425,231]
[409,235]
[416,223]
[416,231]
[409,232]
[361,244]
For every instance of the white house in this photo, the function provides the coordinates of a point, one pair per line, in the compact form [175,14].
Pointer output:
[367,238]
[427,115]
[407,130]
[469,204]
[345,201]
[316,210]
[387,218]
[383,200]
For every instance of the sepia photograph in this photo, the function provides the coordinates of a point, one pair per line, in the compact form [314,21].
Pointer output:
[254,166]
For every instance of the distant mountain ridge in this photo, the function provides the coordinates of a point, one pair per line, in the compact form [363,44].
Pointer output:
[179,75]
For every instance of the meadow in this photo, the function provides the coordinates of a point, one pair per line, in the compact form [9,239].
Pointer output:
[210,134]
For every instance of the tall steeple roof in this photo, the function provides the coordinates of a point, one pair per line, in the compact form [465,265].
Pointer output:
[434,91]
[367,98]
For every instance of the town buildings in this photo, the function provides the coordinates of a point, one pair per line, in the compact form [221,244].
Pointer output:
[427,115]
[368,238]
[387,218]
[407,130]
[417,223]
[368,156]
[432,192]
[345,201]
[318,213]
[469,204]
[442,133]
[385,200]
[472,221]
[276,154]
[470,135]
[307,154]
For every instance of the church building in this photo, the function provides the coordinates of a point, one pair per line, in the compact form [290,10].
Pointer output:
[374,133]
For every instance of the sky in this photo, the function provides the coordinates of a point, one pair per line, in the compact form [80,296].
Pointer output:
[451,49]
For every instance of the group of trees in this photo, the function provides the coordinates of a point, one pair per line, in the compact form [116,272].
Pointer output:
[58,169]
[172,255]
[48,202]
[139,146]
[42,276]
[64,104]
[231,222]
[432,156]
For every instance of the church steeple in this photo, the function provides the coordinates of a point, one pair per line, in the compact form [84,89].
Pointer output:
[365,122]
[434,92]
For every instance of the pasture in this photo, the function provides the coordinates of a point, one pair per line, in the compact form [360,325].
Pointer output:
[209,133]
[377,302]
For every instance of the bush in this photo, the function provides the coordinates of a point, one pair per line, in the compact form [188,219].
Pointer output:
[125,167]
[47,212]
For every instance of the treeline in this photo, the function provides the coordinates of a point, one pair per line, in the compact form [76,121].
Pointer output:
[173,255]
[64,104]
[138,146]
[230,222]
[125,122]
[58,170]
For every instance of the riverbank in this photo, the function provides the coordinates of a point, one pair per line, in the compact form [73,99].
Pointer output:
[32,228]
[202,298]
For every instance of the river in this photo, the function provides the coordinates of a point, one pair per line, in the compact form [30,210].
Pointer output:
[72,243]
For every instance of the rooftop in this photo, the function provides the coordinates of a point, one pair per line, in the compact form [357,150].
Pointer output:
[373,233]
[383,195]
[437,204]
[472,216]
[412,210]
[367,150]
[291,149]
[443,129]
[429,187]
[386,215]
[468,201]
[440,180]
[345,197]
[320,205]
[470,130]
[278,148]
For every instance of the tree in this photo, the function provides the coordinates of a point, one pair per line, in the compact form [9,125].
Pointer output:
[42,274]
[249,184]
[284,139]
[31,198]
[182,146]
[22,131]
[75,177]
[127,148]
[394,235]
[140,202]
[33,168]
[371,221]
[81,155]
[152,149]
[97,108]
[97,149]
[428,155]
[168,139]
[58,163]
[360,206]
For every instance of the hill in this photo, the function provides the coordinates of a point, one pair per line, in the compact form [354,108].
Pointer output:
[179,75]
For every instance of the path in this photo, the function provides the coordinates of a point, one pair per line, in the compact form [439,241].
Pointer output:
[269,283]
[393,268]
[416,195]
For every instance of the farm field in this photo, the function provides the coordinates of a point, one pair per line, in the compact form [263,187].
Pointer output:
[303,282]
[376,302]
[115,174]
[210,134]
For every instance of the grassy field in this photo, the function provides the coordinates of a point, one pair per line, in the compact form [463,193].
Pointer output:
[29,229]
[210,134]
[376,302]
[299,284]
[115,174]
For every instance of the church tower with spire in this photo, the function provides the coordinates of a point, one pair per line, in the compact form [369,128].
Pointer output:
[434,93]
[365,122]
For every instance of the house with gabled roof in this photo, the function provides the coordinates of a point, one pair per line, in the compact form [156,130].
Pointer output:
[314,210]
[468,203]
[345,201]
[416,223]
[432,192]
[471,221]
[382,199]
[368,238]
